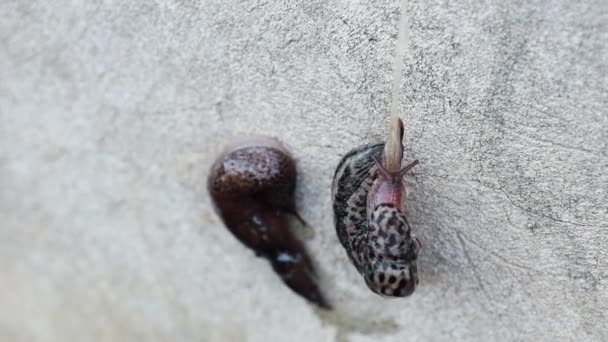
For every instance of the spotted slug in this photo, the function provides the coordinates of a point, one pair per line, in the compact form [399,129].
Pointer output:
[368,203]
[252,186]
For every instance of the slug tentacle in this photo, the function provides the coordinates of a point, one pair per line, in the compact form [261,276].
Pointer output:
[368,202]
[252,186]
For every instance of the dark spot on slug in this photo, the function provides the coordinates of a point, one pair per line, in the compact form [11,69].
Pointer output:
[380,216]
[392,240]
[392,221]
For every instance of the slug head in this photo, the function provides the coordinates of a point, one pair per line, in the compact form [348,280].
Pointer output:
[388,187]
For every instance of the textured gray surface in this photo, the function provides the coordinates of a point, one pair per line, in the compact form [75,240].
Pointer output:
[111,113]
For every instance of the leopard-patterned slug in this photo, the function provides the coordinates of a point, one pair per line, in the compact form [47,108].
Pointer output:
[252,187]
[368,194]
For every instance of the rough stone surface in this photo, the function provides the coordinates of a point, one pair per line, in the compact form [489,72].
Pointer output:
[111,113]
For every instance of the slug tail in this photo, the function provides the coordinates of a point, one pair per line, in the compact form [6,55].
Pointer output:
[297,273]
[393,150]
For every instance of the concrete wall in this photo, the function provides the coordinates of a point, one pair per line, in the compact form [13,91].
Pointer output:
[112,111]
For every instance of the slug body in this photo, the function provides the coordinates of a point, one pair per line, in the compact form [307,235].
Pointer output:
[370,221]
[252,186]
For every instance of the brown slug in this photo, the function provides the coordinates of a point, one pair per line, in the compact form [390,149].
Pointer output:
[252,186]
[368,201]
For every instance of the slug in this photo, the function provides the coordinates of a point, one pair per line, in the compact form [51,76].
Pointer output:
[252,187]
[368,193]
